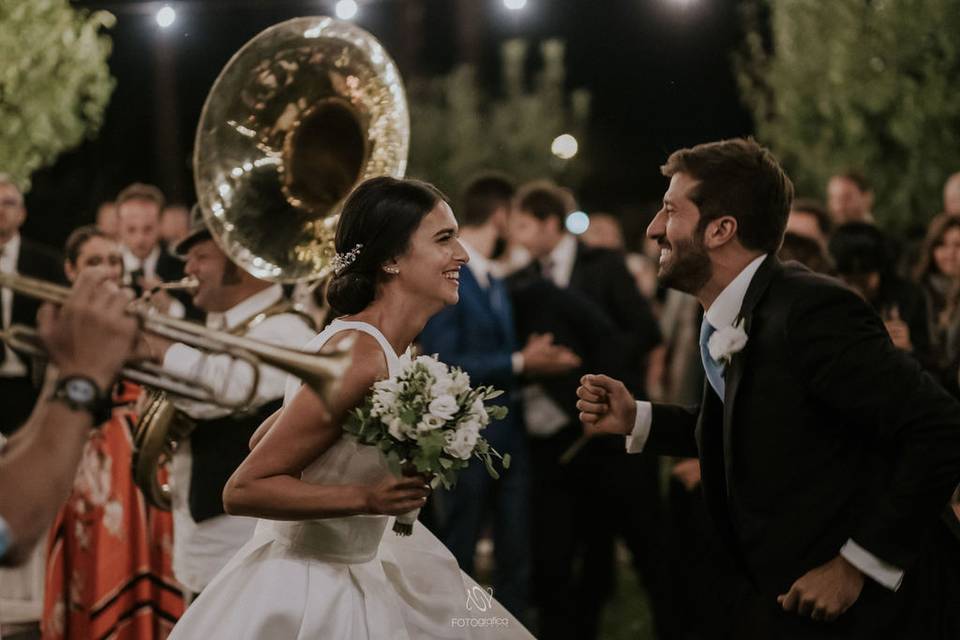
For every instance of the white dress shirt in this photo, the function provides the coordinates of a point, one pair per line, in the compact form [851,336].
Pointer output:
[722,313]
[200,550]
[557,266]
[12,366]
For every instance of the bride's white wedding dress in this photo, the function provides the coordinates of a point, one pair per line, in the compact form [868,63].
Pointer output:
[344,578]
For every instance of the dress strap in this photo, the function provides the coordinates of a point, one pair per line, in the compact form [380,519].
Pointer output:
[393,361]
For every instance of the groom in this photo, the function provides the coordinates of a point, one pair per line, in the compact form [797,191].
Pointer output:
[827,455]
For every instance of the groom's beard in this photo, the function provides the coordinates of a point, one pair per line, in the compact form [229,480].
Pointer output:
[688,268]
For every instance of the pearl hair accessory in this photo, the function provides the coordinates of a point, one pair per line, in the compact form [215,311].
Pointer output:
[343,260]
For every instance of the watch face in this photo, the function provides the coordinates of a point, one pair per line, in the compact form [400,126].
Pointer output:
[80,391]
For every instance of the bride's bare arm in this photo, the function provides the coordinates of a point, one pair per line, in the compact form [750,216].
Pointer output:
[263,428]
[267,484]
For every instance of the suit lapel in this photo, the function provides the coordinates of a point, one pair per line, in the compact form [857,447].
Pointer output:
[733,373]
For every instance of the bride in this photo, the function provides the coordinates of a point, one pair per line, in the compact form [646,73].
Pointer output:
[319,564]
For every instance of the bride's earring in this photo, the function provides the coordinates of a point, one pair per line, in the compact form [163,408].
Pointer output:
[392,270]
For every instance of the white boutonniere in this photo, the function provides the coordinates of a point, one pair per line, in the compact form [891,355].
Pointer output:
[724,343]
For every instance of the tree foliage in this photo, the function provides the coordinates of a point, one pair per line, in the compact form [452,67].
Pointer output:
[54,81]
[458,129]
[864,84]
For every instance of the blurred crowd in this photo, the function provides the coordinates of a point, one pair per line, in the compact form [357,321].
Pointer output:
[539,307]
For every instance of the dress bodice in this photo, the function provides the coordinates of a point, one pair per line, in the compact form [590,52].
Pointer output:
[346,462]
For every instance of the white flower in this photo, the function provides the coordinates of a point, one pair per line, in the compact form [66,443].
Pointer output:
[444,407]
[429,422]
[396,428]
[479,411]
[460,443]
[725,342]
[461,382]
[471,426]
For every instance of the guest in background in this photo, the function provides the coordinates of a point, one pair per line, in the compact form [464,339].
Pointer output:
[604,232]
[809,219]
[600,276]
[108,569]
[20,377]
[861,254]
[951,195]
[938,274]
[174,224]
[806,251]
[849,198]
[106,220]
[477,334]
[146,262]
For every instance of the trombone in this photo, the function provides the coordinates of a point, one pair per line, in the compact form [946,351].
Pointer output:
[314,370]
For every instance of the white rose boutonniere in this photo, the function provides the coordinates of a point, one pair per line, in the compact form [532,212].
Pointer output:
[726,342]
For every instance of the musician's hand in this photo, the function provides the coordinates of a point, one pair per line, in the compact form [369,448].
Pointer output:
[159,300]
[605,405]
[687,471]
[90,334]
[825,592]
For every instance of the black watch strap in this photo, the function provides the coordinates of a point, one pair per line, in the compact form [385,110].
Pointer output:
[82,393]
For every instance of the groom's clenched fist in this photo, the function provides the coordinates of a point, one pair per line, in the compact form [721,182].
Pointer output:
[605,405]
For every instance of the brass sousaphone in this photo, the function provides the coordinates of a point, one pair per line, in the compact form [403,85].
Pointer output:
[300,115]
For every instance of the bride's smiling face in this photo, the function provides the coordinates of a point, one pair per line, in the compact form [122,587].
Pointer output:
[430,267]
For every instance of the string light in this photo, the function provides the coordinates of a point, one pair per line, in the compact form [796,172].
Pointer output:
[166,16]
[564,146]
[577,222]
[515,5]
[346,9]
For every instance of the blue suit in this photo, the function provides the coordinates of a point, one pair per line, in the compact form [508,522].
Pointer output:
[477,335]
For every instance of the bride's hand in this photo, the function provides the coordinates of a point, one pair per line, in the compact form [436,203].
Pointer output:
[393,496]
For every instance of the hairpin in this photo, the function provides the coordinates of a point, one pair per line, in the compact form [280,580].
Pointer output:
[343,260]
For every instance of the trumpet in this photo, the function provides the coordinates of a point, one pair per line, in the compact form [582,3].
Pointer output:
[314,370]
[189,284]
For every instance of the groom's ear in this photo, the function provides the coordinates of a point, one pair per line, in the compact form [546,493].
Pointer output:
[720,231]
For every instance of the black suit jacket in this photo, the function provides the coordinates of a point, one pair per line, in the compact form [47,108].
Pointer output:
[601,275]
[827,432]
[577,323]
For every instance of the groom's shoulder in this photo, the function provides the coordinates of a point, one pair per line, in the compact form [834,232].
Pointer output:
[800,288]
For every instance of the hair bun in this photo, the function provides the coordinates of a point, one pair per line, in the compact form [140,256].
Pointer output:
[351,292]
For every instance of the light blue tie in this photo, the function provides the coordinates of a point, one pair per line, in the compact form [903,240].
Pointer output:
[711,367]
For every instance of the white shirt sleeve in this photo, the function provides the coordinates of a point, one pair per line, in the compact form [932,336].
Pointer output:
[176,310]
[641,427]
[870,565]
[231,379]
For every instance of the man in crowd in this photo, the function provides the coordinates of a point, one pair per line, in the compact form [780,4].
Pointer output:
[477,334]
[174,224]
[810,220]
[204,537]
[599,276]
[849,198]
[19,376]
[827,455]
[146,262]
[951,195]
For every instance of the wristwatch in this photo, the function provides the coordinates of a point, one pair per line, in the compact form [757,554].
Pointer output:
[81,393]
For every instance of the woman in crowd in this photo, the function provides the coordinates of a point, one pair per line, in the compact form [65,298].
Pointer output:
[109,554]
[938,273]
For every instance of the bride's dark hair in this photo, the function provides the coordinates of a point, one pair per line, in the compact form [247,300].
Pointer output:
[381,214]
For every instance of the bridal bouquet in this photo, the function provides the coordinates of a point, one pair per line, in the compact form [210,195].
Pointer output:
[427,419]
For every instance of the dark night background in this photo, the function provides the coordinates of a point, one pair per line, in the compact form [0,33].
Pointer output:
[659,70]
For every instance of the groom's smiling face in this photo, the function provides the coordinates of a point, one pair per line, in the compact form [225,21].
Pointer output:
[684,261]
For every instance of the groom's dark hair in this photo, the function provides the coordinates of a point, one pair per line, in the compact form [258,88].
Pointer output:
[742,179]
